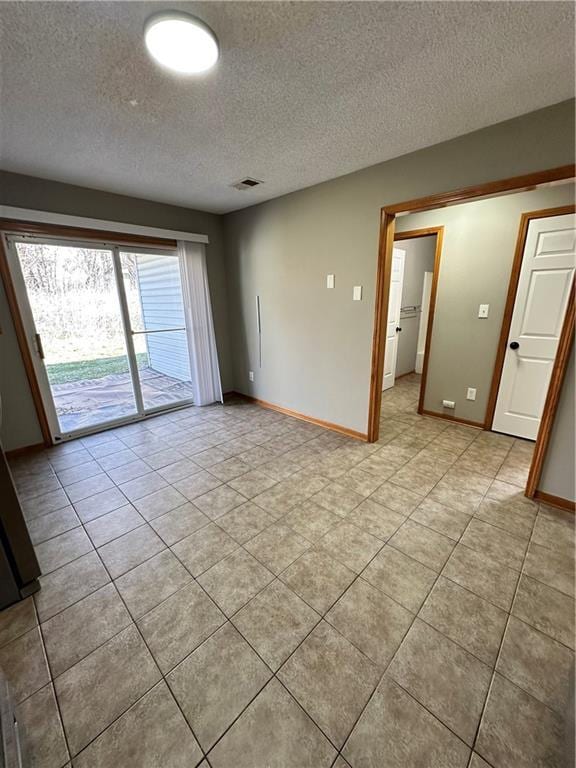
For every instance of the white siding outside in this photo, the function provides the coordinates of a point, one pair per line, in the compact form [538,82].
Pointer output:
[162,307]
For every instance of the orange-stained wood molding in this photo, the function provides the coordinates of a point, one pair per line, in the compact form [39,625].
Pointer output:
[302,416]
[447,417]
[555,501]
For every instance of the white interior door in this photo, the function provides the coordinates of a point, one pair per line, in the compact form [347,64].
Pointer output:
[543,290]
[393,321]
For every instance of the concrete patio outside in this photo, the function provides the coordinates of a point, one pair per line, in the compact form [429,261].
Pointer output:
[86,403]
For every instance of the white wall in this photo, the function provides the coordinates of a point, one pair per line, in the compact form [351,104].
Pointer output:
[316,342]
[419,259]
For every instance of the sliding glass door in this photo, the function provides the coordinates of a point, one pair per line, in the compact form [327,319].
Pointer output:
[157,318]
[107,330]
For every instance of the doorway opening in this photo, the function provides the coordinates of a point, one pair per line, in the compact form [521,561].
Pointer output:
[107,327]
[460,306]
[415,267]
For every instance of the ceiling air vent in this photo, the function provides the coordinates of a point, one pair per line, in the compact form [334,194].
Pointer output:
[246,183]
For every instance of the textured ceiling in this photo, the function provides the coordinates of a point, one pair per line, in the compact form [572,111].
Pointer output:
[303,92]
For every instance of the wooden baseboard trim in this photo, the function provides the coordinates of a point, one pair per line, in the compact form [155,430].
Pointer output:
[466,422]
[555,501]
[303,417]
[15,452]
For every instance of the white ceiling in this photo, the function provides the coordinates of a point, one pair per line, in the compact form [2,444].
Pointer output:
[303,92]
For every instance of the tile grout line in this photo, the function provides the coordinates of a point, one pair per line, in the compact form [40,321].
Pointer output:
[162,677]
[273,673]
[501,644]
[509,616]
[51,683]
[415,616]
[400,645]
[133,622]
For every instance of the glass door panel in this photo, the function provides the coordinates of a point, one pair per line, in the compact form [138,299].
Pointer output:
[73,296]
[157,321]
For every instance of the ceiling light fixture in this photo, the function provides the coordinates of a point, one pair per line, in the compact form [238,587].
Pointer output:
[181,42]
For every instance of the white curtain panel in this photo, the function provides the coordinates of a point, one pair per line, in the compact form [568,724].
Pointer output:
[204,355]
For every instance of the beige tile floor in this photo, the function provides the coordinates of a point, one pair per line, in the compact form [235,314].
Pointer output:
[230,587]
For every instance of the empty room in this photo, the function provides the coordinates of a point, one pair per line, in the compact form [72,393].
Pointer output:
[287,386]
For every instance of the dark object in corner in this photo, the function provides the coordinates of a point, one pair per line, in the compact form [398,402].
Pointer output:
[19,569]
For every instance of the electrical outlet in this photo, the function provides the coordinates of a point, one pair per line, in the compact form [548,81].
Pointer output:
[448,404]
[471,394]
[483,310]
[251,375]
[330,281]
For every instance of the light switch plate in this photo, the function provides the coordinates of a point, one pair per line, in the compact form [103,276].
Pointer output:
[357,293]
[329,281]
[483,310]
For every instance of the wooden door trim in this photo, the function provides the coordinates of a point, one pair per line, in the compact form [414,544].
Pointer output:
[553,396]
[555,501]
[23,345]
[525,220]
[489,189]
[412,234]
[455,419]
[383,276]
[385,245]
[300,416]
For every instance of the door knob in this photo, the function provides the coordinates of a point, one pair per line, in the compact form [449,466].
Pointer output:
[398,330]
[514,345]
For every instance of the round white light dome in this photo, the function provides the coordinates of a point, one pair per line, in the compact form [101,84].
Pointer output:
[181,42]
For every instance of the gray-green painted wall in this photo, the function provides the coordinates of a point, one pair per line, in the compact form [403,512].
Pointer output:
[316,343]
[20,425]
[477,254]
